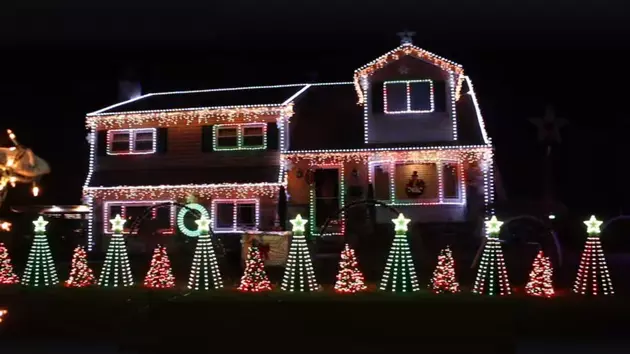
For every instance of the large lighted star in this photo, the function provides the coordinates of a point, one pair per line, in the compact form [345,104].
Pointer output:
[203,223]
[118,224]
[592,225]
[40,224]
[493,225]
[298,223]
[400,223]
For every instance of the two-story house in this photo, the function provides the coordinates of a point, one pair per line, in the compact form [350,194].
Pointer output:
[408,124]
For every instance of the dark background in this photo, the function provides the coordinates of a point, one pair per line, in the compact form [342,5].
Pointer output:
[62,61]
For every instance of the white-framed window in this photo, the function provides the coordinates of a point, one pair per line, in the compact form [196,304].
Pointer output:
[417,183]
[240,136]
[131,141]
[235,215]
[408,96]
[162,218]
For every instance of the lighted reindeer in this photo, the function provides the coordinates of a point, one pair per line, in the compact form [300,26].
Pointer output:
[18,164]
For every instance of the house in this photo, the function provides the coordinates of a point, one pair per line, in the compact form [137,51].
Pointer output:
[408,123]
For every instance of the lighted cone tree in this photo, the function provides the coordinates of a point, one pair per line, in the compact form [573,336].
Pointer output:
[40,268]
[204,272]
[492,278]
[7,276]
[444,280]
[350,280]
[593,277]
[116,269]
[540,278]
[254,278]
[298,273]
[160,274]
[400,272]
[80,273]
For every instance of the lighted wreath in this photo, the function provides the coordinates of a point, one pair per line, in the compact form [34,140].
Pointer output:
[415,186]
[182,214]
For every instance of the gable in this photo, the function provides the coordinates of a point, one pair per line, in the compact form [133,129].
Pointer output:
[409,68]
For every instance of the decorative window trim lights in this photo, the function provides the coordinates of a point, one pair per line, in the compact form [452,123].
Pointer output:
[132,136]
[408,93]
[312,200]
[235,202]
[240,129]
[142,203]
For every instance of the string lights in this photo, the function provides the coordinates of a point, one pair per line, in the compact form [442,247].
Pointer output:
[129,138]
[7,275]
[240,132]
[80,273]
[492,278]
[204,272]
[400,273]
[254,278]
[182,215]
[593,277]
[350,279]
[444,280]
[116,269]
[174,192]
[107,206]
[540,278]
[40,268]
[160,274]
[235,203]
[298,273]
[408,105]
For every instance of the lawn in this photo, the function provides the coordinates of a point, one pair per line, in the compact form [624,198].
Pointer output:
[316,322]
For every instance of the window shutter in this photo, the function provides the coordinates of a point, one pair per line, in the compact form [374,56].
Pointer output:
[377,97]
[162,140]
[273,137]
[206,138]
[439,96]
[101,143]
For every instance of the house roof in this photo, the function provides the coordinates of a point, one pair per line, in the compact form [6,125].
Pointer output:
[182,176]
[203,99]
[327,117]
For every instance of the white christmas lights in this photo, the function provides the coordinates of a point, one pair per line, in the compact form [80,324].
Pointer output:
[204,271]
[240,134]
[116,269]
[132,137]
[452,99]
[492,277]
[40,268]
[593,276]
[408,96]
[399,274]
[235,224]
[298,273]
[107,205]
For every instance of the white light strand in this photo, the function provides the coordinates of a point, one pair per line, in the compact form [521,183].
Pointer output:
[452,98]
[482,126]
[107,205]
[408,97]
[132,138]
[235,224]
[240,131]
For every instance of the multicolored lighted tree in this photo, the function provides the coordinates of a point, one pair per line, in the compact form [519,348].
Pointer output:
[254,278]
[7,275]
[540,278]
[593,276]
[80,273]
[40,268]
[400,272]
[492,278]
[160,274]
[204,272]
[299,274]
[350,280]
[444,280]
[116,269]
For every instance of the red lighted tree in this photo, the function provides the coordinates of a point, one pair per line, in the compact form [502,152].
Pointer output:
[444,280]
[540,282]
[7,276]
[160,275]
[254,278]
[349,279]
[80,273]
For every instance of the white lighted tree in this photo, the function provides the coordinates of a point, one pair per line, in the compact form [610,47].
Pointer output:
[299,274]
[400,273]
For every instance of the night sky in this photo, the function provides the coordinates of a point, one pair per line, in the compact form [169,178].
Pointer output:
[60,63]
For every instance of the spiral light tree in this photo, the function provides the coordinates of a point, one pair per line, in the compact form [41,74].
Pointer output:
[492,278]
[593,277]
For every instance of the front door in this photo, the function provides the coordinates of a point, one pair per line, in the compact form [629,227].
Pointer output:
[326,196]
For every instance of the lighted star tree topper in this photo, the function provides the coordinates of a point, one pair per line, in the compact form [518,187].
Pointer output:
[40,267]
[299,274]
[593,277]
[7,275]
[400,272]
[116,269]
[204,272]
[492,278]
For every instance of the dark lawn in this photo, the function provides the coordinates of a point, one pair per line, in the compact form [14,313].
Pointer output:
[277,322]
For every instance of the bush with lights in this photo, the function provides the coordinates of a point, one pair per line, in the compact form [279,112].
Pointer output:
[7,275]
[350,279]
[444,280]
[254,278]
[80,273]
[540,278]
[160,274]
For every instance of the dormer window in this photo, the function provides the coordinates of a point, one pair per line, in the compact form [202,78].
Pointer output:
[240,136]
[131,141]
[408,96]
